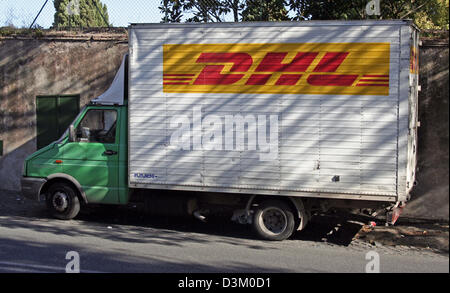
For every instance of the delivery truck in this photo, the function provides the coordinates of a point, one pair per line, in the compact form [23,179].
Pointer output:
[267,122]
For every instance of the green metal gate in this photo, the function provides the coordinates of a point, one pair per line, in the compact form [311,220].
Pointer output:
[53,115]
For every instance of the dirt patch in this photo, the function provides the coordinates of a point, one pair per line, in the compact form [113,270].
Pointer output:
[433,236]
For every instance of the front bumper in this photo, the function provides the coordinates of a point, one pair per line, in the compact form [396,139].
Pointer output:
[31,187]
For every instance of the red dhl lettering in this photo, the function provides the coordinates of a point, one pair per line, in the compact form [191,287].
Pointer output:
[272,62]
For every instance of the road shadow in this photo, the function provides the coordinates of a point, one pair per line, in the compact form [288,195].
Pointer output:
[335,228]
[135,215]
[26,256]
[338,228]
[131,224]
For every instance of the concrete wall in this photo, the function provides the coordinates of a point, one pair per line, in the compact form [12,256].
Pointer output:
[429,200]
[78,63]
[85,64]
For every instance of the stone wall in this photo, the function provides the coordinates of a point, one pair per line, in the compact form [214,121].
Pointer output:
[429,199]
[57,63]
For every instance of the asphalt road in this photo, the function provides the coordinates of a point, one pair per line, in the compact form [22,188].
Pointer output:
[118,241]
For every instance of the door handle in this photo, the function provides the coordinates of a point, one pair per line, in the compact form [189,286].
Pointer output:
[110,153]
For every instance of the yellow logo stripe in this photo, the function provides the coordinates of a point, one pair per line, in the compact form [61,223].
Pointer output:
[300,68]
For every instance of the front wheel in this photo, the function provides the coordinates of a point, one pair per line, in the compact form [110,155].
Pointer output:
[62,201]
[274,220]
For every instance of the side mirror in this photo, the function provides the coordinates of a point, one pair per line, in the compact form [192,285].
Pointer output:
[72,134]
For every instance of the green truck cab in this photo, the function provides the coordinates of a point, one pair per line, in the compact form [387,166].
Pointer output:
[90,159]
[88,164]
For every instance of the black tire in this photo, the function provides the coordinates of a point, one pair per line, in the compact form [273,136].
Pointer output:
[62,201]
[274,220]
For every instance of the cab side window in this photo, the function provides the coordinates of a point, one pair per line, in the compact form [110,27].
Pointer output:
[98,126]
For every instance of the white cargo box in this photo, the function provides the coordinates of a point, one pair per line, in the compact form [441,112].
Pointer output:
[318,109]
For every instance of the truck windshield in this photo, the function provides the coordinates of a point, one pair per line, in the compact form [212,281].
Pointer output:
[98,125]
[64,135]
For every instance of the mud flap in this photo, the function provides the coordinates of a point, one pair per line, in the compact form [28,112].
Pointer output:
[393,215]
[302,213]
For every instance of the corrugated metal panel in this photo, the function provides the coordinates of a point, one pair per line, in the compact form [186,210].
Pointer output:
[327,143]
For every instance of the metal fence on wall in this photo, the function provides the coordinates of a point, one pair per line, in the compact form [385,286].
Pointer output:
[42,13]
[65,14]
[119,13]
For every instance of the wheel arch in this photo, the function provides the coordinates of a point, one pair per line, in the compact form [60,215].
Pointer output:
[61,177]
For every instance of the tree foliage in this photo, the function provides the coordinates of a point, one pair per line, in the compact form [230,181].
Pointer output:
[206,10]
[327,9]
[172,10]
[89,13]
[427,14]
[196,10]
[264,10]
[236,7]
[433,16]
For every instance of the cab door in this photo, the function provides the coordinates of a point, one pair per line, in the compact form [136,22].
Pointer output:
[92,159]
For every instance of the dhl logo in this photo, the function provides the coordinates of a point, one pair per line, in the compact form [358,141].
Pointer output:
[306,68]
[414,61]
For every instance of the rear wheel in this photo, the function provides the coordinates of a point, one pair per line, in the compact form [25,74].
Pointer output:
[62,201]
[274,220]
